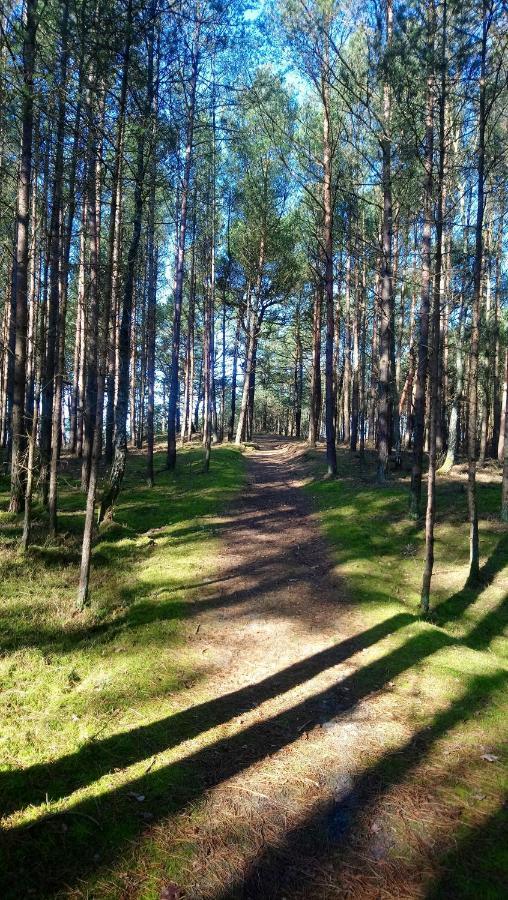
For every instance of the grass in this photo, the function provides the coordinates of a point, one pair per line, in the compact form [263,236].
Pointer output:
[85,699]
[102,745]
[453,670]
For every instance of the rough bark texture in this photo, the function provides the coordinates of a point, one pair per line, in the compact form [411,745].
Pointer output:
[315,387]
[474,548]
[21,263]
[436,316]
[125,340]
[423,325]
[385,310]
[331,455]
[174,389]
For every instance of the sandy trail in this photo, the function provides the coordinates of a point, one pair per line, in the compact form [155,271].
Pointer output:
[283,647]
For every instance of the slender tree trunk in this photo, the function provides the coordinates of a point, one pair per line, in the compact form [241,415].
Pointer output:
[251,337]
[90,405]
[504,413]
[355,393]
[21,262]
[234,375]
[86,552]
[385,311]
[346,382]
[504,489]
[133,369]
[315,388]
[26,536]
[208,336]
[486,357]
[423,325]
[95,384]
[496,387]
[151,313]
[186,430]
[114,247]
[252,328]
[174,388]
[55,281]
[436,317]
[474,546]
[298,377]
[126,324]
[374,355]
[331,454]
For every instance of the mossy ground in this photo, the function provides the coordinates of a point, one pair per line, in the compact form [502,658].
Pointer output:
[451,672]
[97,708]
[69,682]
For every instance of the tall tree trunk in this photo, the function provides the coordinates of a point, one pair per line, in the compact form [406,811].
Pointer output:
[125,338]
[174,389]
[151,312]
[374,372]
[504,489]
[385,311]
[346,383]
[55,278]
[94,382]
[208,333]
[474,546]
[234,375]
[504,413]
[423,325]
[21,261]
[331,453]
[114,247]
[496,387]
[298,376]
[186,429]
[253,325]
[436,318]
[251,338]
[315,387]
[91,405]
[355,392]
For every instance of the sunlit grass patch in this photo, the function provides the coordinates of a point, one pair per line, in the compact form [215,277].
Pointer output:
[86,699]
[453,684]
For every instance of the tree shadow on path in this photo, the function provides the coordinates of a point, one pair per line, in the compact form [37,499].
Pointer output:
[324,842]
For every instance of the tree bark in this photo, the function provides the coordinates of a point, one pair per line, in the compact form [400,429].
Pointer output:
[423,325]
[126,324]
[385,311]
[315,387]
[234,374]
[474,546]
[174,388]
[18,429]
[151,312]
[331,453]
[436,318]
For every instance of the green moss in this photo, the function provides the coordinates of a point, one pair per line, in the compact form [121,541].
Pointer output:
[86,699]
[451,672]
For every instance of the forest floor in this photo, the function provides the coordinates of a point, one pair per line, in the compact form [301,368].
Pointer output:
[254,709]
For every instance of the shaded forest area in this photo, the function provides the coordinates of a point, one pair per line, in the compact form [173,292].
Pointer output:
[253,250]
[196,239]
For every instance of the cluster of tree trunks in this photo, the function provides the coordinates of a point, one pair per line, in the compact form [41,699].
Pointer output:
[393,322]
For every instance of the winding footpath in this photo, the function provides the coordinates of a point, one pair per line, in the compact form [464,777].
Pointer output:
[286,809]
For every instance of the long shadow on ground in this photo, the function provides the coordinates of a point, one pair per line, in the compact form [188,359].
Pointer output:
[327,840]
[54,853]
[107,824]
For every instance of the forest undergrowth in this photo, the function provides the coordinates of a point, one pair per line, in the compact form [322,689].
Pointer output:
[68,680]
[98,707]
[454,679]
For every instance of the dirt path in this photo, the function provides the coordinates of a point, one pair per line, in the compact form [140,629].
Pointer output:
[283,648]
